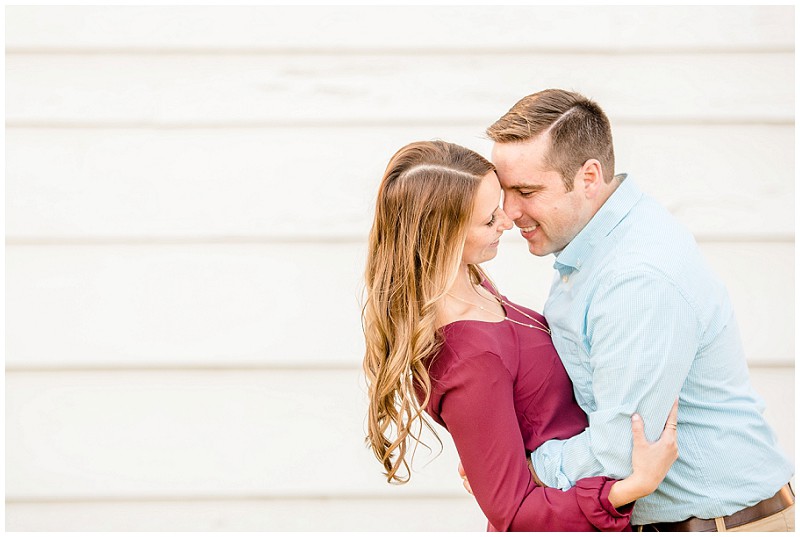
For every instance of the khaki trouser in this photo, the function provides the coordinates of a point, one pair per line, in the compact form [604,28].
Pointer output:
[782,521]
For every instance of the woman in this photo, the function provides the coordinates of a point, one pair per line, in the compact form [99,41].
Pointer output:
[440,338]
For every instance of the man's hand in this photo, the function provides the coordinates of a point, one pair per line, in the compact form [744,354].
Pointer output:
[533,472]
[464,479]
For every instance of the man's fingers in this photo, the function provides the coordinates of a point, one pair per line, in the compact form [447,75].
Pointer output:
[464,480]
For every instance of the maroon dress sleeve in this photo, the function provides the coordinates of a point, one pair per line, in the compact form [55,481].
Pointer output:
[477,408]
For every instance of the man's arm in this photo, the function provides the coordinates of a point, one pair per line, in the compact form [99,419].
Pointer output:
[643,335]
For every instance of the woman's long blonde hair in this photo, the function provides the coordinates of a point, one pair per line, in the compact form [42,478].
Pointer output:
[422,215]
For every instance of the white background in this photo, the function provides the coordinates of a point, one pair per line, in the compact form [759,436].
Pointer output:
[188,193]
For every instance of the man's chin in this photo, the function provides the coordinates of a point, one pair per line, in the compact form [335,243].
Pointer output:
[539,250]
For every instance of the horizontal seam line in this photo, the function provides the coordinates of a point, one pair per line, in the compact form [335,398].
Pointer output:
[429,50]
[176,368]
[785,120]
[255,497]
[303,239]
[771,364]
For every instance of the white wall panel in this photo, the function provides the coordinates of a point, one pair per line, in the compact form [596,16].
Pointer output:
[394,27]
[131,89]
[224,305]
[459,513]
[731,182]
[201,434]
[721,181]
[283,304]
[777,387]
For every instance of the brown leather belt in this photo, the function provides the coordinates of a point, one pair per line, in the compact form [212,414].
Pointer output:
[783,499]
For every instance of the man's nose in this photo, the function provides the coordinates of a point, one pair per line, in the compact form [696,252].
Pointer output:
[511,208]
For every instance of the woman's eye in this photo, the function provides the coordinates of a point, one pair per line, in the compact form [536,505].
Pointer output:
[491,220]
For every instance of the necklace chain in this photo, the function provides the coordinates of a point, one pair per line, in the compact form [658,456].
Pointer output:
[541,326]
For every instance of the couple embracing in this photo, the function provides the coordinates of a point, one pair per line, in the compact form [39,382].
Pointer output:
[552,414]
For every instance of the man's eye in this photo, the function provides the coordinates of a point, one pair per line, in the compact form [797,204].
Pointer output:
[525,193]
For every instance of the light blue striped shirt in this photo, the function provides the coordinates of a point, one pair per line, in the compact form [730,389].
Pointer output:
[638,317]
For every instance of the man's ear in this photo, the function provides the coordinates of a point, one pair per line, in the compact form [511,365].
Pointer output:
[591,173]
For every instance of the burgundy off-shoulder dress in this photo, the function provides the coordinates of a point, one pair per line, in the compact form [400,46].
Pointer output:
[501,391]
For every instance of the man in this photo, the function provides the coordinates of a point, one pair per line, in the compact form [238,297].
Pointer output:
[638,319]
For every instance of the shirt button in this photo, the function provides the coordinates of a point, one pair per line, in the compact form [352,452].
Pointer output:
[565,278]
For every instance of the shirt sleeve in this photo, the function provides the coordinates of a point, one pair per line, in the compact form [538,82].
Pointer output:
[643,335]
[477,408]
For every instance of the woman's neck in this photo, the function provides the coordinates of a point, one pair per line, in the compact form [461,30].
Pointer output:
[463,287]
[466,301]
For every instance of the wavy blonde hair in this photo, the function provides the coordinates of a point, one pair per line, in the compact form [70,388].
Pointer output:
[422,214]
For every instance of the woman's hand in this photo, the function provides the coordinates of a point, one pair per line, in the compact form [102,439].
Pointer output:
[650,461]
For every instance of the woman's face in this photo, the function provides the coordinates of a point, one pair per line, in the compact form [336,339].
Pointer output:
[487,224]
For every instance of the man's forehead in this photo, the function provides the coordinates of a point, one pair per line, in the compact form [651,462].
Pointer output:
[526,179]
[518,163]
[507,154]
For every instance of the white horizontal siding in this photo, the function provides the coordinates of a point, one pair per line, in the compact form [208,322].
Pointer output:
[214,434]
[423,28]
[95,434]
[283,304]
[330,514]
[234,89]
[321,182]
[220,305]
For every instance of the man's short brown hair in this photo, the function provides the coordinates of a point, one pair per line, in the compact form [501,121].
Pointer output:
[578,129]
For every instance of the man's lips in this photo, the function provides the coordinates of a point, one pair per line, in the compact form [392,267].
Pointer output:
[529,231]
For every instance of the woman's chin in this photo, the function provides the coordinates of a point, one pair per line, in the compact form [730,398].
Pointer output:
[491,252]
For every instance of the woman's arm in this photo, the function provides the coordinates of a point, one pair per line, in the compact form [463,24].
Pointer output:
[477,408]
[651,462]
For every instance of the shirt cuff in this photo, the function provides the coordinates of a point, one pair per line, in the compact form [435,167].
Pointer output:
[546,463]
[592,493]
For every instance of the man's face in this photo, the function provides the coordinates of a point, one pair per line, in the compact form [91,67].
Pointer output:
[536,200]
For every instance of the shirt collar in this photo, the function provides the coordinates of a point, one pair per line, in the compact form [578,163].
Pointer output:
[606,219]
